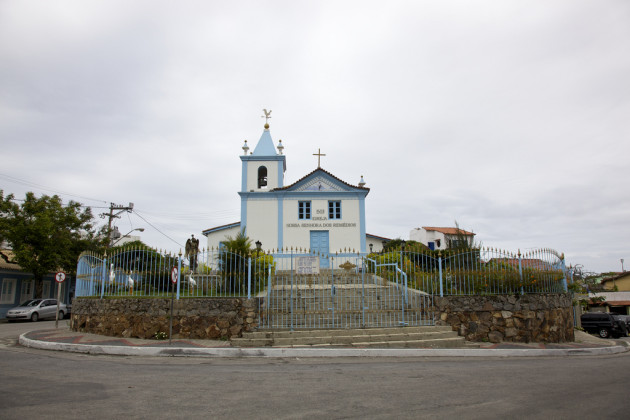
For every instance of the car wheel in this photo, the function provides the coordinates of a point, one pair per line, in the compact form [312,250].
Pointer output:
[604,333]
[35,317]
[61,315]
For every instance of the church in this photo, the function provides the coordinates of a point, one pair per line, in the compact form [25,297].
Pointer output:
[319,212]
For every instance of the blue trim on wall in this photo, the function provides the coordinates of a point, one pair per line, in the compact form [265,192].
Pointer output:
[280,223]
[303,195]
[362,223]
[244,214]
[280,176]
[244,175]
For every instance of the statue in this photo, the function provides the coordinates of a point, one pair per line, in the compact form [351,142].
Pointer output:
[192,249]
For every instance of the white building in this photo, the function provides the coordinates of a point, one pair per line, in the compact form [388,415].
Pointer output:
[319,212]
[440,237]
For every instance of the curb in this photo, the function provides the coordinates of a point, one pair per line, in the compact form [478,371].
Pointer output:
[281,352]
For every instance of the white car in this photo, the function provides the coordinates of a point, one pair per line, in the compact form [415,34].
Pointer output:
[36,309]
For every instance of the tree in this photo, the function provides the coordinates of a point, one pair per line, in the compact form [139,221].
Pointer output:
[233,260]
[45,235]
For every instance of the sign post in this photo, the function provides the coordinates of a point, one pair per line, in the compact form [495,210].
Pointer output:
[174,277]
[59,278]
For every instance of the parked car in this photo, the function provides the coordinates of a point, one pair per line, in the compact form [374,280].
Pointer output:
[605,324]
[626,318]
[36,309]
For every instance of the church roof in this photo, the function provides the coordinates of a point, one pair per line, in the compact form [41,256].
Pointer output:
[222,227]
[315,172]
[265,145]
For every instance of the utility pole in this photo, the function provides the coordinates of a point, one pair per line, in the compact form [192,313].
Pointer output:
[114,207]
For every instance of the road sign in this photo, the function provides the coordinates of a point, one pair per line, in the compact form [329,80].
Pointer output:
[174,275]
[60,277]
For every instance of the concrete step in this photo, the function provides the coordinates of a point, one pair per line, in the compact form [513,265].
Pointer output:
[265,333]
[445,343]
[351,339]
[392,337]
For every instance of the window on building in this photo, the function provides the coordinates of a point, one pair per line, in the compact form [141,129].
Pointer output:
[334,209]
[304,210]
[46,289]
[27,290]
[7,293]
[262,177]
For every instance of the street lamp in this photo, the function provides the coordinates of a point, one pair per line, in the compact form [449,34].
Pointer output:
[127,234]
[258,247]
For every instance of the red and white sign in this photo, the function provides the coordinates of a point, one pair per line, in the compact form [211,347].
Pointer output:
[174,275]
[60,277]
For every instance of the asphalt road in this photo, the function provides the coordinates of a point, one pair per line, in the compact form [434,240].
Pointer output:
[47,384]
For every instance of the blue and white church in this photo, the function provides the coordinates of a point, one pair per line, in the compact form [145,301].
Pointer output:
[319,212]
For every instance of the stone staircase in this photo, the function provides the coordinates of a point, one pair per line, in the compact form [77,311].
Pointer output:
[346,309]
[394,337]
[342,300]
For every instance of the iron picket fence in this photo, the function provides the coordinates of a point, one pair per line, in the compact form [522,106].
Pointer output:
[217,272]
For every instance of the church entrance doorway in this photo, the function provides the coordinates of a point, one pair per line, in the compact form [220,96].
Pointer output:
[320,245]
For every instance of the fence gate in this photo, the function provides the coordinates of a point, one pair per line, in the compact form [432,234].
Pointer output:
[352,293]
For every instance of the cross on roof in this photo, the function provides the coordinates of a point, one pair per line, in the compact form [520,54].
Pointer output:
[319,155]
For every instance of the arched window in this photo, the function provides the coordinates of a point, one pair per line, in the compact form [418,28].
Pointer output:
[262,177]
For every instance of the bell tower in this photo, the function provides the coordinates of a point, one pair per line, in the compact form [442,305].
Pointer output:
[263,169]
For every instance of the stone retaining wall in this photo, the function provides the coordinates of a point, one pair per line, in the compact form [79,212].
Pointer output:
[218,318]
[513,318]
[546,318]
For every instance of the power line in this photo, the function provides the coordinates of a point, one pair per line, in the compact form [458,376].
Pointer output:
[150,224]
[45,188]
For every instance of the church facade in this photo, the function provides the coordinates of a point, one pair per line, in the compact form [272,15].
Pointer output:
[319,212]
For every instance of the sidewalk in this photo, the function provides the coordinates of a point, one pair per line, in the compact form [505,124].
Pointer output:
[63,339]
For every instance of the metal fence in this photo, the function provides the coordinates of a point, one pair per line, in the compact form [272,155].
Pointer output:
[478,271]
[306,290]
[215,273]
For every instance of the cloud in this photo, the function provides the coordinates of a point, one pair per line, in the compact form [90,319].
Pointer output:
[510,118]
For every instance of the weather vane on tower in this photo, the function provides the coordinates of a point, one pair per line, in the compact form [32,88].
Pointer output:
[266,117]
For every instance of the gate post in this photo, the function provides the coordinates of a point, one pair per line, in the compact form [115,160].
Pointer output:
[179,271]
[268,303]
[363,308]
[440,273]
[564,271]
[249,277]
[520,271]
[291,312]
[103,276]
[332,288]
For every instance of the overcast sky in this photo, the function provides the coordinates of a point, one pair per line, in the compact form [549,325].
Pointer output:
[510,117]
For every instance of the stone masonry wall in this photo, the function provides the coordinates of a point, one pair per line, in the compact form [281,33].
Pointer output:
[217,318]
[546,318]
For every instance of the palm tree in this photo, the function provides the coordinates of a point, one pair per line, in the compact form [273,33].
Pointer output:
[233,261]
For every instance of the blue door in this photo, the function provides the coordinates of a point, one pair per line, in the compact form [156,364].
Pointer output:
[319,244]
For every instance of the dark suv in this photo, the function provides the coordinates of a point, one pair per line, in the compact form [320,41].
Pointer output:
[604,324]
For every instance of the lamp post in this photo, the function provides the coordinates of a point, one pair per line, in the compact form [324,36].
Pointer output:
[622,270]
[258,248]
[127,234]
